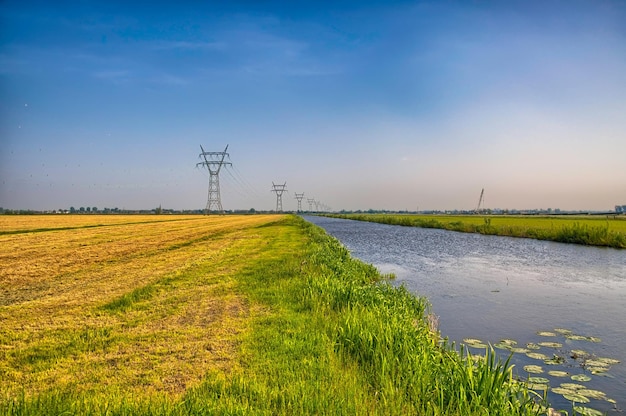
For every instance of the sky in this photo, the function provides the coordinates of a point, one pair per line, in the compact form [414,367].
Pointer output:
[396,105]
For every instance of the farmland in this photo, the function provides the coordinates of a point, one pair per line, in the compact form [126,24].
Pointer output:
[608,231]
[260,314]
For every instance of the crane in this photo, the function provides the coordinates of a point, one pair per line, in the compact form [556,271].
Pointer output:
[481,200]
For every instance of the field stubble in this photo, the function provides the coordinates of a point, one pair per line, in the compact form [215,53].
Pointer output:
[142,305]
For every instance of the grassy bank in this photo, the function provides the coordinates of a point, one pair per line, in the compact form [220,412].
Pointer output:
[601,231]
[224,315]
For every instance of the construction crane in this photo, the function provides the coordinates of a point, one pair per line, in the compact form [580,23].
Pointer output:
[481,201]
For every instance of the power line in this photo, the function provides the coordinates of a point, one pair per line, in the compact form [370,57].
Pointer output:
[249,187]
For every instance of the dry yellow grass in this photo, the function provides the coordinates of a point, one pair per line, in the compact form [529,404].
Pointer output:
[59,325]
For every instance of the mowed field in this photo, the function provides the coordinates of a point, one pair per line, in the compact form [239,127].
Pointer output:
[121,303]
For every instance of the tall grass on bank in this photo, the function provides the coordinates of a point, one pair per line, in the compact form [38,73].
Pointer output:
[324,334]
[570,231]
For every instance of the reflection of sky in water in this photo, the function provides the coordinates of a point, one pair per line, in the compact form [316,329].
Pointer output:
[498,287]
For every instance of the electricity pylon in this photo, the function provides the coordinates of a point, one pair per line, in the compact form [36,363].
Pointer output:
[311,201]
[299,198]
[213,161]
[279,189]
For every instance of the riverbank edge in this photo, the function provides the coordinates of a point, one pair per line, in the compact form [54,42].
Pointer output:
[575,233]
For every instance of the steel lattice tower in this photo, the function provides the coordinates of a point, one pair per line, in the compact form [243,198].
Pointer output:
[279,189]
[299,198]
[311,201]
[213,161]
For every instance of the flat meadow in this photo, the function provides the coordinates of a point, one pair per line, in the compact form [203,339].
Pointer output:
[256,314]
[599,230]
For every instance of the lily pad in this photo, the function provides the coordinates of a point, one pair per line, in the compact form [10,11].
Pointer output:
[572,386]
[557,373]
[598,370]
[596,363]
[477,345]
[580,377]
[579,354]
[502,346]
[576,337]
[535,369]
[576,398]
[609,361]
[474,343]
[562,390]
[592,394]
[551,344]
[555,360]
[546,334]
[537,356]
[533,346]
[538,380]
[562,331]
[507,341]
[519,350]
[538,386]
[587,411]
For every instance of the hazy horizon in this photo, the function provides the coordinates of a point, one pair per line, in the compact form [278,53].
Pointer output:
[360,105]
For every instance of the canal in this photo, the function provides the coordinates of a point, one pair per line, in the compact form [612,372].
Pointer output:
[566,302]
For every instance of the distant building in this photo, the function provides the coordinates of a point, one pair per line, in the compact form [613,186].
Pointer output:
[620,208]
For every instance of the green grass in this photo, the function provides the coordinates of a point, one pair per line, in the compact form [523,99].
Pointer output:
[585,230]
[322,333]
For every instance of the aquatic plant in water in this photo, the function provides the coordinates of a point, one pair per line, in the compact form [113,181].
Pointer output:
[573,392]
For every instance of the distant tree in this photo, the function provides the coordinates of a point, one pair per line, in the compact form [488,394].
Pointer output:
[158,210]
[94,209]
[88,209]
[252,211]
[72,210]
[82,209]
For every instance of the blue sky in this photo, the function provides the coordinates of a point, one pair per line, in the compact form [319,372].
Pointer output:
[385,105]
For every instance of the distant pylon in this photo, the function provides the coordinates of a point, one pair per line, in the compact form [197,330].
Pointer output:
[279,189]
[213,161]
[311,201]
[299,198]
